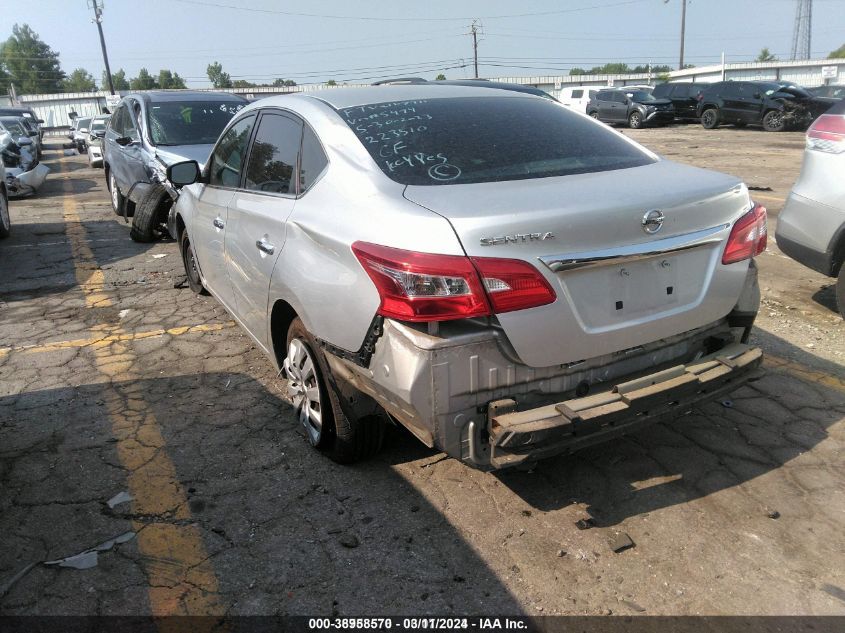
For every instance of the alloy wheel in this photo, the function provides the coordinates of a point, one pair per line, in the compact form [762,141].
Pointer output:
[304,389]
[115,200]
[5,221]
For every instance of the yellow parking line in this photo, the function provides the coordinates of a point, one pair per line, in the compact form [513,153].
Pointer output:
[127,336]
[180,576]
[803,372]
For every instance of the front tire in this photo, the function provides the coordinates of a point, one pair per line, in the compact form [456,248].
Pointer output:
[774,121]
[840,292]
[189,259]
[710,119]
[344,439]
[147,221]
[5,220]
[635,120]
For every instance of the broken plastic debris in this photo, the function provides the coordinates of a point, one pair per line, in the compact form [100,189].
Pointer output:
[88,558]
[159,255]
[123,313]
[83,560]
[120,497]
[620,542]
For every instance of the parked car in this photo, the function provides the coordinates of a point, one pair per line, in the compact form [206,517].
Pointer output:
[637,108]
[149,131]
[21,125]
[811,227]
[683,95]
[28,114]
[96,133]
[80,134]
[832,91]
[503,276]
[776,106]
[5,220]
[576,97]
[23,173]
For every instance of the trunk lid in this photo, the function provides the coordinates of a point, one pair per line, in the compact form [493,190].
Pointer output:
[617,286]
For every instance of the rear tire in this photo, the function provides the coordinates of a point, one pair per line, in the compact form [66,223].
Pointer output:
[840,291]
[710,119]
[117,199]
[189,259]
[343,439]
[5,221]
[594,114]
[773,121]
[147,221]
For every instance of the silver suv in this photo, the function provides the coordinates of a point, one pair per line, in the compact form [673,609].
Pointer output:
[811,227]
[506,278]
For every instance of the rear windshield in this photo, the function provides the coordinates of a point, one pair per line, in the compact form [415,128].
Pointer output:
[485,139]
[189,122]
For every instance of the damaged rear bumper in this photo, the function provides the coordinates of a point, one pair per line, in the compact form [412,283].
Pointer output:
[517,437]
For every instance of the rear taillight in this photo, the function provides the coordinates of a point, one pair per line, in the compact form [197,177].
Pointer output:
[427,287]
[827,134]
[748,237]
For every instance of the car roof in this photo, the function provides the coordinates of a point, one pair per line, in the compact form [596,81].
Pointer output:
[159,96]
[350,97]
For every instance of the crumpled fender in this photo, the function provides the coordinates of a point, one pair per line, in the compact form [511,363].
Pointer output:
[35,177]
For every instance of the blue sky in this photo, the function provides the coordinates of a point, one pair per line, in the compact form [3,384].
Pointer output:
[368,40]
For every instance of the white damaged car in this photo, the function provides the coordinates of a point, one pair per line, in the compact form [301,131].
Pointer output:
[506,278]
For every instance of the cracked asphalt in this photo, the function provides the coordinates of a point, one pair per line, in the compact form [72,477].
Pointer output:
[112,380]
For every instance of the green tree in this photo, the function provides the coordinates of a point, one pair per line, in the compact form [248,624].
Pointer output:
[80,80]
[30,63]
[168,80]
[243,83]
[440,77]
[577,71]
[218,78]
[284,82]
[118,79]
[765,56]
[838,53]
[615,68]
[144,81]
[331,82]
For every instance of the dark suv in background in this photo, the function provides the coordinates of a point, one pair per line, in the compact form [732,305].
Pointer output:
[683,95]
[776,106]
[149,131]
[637,108]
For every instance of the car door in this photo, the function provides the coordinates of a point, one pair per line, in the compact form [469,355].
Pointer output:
[113,149]
[130,150]
[209,224]
[605,103]
[620,107]
[732,100]
[258,214]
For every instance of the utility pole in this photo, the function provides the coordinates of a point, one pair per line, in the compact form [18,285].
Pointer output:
[474,32]
[97,5]
[683,29]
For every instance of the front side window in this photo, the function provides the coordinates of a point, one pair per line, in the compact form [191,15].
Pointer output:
[273,155]
[224,168]
[619,97]
[463,140]
[189,122]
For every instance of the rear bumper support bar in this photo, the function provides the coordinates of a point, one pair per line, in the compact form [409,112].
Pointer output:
[517,437]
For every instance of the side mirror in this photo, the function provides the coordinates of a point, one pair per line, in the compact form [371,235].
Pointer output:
[39,121]
[184,173]
[123,141]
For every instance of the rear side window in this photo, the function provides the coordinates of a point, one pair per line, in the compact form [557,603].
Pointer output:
[228,155]
[273,156]
[663,90]
[485,139]
[577,94]
[604,96]
[312,161]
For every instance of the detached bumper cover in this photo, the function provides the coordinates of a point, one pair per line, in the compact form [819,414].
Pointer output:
[520,436]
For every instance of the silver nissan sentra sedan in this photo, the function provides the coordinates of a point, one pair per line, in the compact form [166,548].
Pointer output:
[504,277]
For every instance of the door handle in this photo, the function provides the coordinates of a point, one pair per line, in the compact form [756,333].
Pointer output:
[264,246]
[218,223]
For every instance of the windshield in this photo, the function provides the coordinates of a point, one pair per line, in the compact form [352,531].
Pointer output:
[485,139]
[189,122]
[641,95]
[13,127]
[81,123]
[98,126]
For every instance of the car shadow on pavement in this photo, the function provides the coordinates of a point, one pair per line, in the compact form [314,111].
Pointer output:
[751,432]
[826,297]
[287,530]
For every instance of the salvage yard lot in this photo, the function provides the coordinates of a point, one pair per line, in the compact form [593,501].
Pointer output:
[112,380]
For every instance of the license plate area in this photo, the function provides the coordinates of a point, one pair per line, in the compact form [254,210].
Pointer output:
[636,289]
